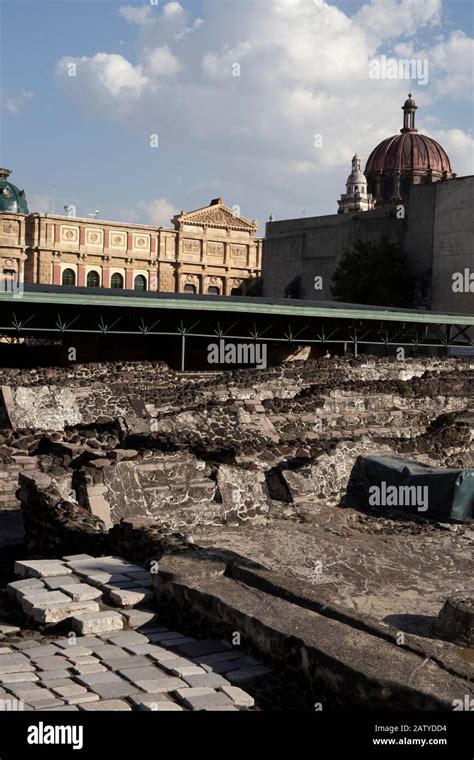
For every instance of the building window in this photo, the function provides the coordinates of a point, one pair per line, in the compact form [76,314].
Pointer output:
[405,186]
[93,280]
[213,290]
[236,292]
[8,279]
[388,189]
[140,282]
[69,277]
[189,288]
[116,281]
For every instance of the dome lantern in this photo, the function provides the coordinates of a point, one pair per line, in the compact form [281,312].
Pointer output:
[409,107]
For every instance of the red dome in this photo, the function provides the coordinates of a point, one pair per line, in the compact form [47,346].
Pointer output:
[408,151]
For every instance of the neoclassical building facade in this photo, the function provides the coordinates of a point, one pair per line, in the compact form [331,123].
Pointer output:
[211,250]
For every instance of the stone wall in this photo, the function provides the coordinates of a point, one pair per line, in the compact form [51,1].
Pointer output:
[338,657]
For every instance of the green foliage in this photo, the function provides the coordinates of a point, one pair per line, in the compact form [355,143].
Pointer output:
[373,273]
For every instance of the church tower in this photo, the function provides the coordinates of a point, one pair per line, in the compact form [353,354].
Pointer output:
[356,197]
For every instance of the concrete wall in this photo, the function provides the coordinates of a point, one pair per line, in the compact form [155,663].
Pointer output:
[312,247]
[436,237]
[453,244]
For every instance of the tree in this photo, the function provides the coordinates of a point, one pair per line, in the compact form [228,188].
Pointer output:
[373,273]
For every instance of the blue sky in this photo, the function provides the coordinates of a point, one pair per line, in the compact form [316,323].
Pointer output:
[167,69]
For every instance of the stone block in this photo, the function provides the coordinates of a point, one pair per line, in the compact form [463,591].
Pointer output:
[97,622]
[30,677]
[26,645]
[81,592]
[27,583]
[44,704]
[201,698]
[138,618]
[108,651]
[165,656]
[53,663]
[211,680]
[15,663]
[158,685]
[107,705]
[238,696]
[51,678]
[73,641]
[47,650]
[56,613]
[145,673]
[59,581]
[187,670]
[38,597]
[90,679]
[130,597]
[108,685]
[126,637]
[75,651]
[41,568]
[83,660]
[85,669]
[99,507]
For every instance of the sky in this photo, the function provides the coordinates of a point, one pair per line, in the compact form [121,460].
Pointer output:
[136,111]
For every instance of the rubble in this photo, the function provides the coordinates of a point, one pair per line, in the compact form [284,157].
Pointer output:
[145,492]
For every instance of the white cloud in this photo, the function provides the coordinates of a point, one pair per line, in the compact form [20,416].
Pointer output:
[16,103]
[136,15]
[161,61]
[173,9]
[158,212]
[303,71]
[459,146]
[107,76]
[450,64]
[388,19]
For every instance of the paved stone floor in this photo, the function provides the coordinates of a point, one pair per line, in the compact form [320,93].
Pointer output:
[154,669]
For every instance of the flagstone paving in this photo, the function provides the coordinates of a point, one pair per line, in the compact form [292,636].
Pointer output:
[109,668]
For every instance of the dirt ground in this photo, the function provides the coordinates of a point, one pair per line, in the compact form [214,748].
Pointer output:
[396,570]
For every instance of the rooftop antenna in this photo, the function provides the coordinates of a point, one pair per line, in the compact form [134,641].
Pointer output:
[304,212]
[95,214]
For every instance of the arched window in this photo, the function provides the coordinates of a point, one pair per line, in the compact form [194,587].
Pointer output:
[116,281]
[93,280]
[8,279]
[388,189]
[213,290]
[405,186]
[236,292]
[190,288]
[69,277]
[140,282]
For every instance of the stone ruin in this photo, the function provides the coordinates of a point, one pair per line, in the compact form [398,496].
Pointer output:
[251,473]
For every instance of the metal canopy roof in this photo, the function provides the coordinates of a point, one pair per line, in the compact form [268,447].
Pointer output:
[129,299]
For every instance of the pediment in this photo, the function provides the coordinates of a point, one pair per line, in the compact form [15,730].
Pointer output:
[217,215]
